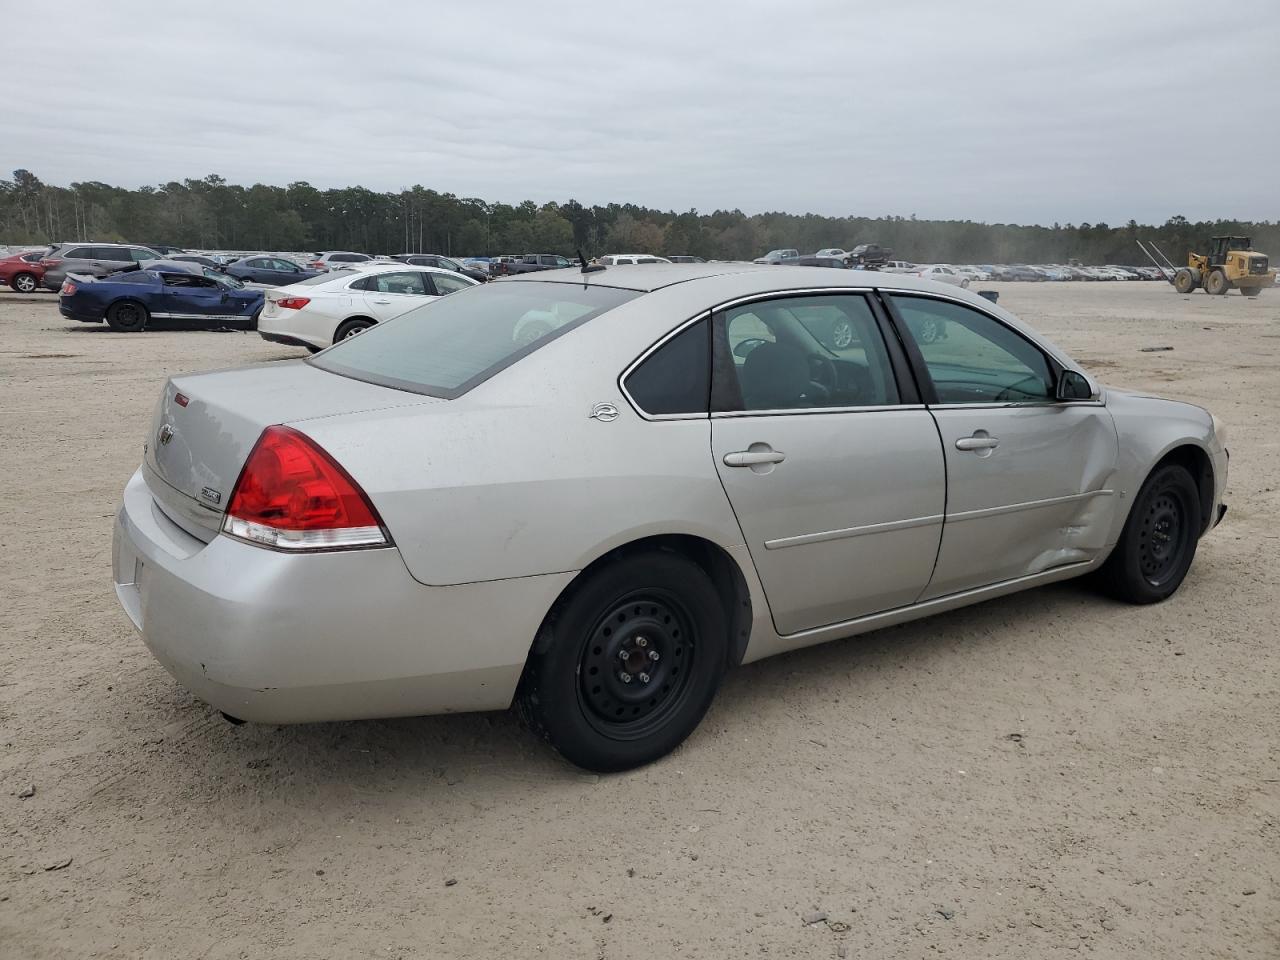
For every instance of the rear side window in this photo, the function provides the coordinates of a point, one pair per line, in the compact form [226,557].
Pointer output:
[446,284]
[450,345]
[675,378]
[80,253]
[116,254]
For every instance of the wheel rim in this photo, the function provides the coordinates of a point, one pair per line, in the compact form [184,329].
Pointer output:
[127,315]
[647,638]
[353,332]
[1163,538]
[26,284]
[842,336]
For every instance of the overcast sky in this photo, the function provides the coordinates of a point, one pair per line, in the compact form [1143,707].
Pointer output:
[1003,111]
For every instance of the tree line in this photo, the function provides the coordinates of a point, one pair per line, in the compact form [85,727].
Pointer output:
[213,214]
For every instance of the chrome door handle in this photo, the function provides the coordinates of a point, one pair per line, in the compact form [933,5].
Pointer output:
[753,458]
[382,301]
[977,443]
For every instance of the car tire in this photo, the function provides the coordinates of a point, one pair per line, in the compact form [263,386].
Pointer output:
[1183,281]
[1217,283]
[351,328]
[1159,539]
[964,284]
[660,609]
[24,282]
[127,316]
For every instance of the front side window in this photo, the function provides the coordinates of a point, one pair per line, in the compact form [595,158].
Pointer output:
[675,378]
[449,345]
[808,352]
[973,358]
[141,256]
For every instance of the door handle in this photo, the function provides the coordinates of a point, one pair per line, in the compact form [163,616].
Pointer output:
[382,301]
[979,441]
[753,458]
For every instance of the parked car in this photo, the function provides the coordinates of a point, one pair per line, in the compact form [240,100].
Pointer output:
[262,268]
[205,261]
[832,252]
[426,519]
[626,259]
[324,309]
[898,266]
[444,263]
[974,273]
[777,256]
[942,273]
[1025,273]
[536,262]
[23,271]
[498,265]
[336,258]
[91,260]
[685,258]
[128,301]
[165,249]
[816,260]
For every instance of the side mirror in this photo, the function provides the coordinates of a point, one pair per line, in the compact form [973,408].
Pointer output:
[1073,385]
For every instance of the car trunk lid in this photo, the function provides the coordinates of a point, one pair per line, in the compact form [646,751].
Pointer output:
[205,425]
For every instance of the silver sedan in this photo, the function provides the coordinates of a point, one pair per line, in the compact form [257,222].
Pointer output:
[594,492]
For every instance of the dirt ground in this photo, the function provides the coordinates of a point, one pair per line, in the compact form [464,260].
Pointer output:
[1050,774]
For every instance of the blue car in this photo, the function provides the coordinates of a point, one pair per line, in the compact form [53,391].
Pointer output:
[276,271]
[129,301]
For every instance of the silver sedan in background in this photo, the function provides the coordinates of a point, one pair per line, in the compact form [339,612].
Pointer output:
[593,493]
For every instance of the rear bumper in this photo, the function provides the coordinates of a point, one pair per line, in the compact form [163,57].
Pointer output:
[300,328]
[279,638]
[83,314]
[286,339]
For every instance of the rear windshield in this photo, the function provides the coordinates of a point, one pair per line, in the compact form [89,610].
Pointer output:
[446,347]
[325,278]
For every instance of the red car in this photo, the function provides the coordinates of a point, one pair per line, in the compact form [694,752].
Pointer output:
[23,271]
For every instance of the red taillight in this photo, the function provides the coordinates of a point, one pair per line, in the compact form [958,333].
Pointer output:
[68,288]
[47,263]
[291,495]
[292,303]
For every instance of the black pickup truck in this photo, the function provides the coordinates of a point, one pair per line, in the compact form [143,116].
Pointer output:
[533,262]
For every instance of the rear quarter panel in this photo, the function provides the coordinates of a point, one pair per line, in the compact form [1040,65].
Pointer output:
[516,479]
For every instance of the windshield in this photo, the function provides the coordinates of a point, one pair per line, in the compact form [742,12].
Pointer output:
[222,278]
[446,347]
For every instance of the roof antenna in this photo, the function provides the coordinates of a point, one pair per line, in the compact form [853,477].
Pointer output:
[589,267]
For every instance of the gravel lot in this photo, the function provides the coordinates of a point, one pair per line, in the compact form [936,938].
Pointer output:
[1050,774]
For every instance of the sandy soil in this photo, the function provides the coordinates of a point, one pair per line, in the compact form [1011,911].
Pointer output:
[1050,774]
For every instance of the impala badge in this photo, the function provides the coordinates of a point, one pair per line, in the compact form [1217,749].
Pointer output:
[212,495]
[604,412]
[165,435]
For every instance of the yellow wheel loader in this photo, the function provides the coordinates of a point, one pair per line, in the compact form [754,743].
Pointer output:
[1230,262]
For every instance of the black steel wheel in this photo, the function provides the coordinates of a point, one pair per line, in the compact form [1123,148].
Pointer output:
[635,666]
[1159,539]
[127,316]
[629,662]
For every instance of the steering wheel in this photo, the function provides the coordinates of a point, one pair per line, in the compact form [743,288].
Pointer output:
[1007,392]
[823,372]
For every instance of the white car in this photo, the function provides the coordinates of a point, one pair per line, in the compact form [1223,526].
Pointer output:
[777,256]
[627,259]
[943,274]
[336,260]
[832,252]
[973,273]
[899,266]
[319,312]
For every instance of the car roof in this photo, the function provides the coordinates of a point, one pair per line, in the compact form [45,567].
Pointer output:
[749,278]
